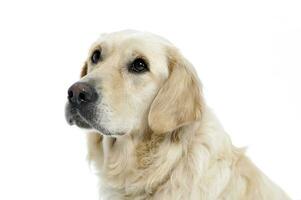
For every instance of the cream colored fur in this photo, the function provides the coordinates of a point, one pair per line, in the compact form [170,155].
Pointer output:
[179,150]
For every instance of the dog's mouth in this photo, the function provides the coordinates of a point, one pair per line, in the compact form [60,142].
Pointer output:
[86,119]
[78,121]
[73,117]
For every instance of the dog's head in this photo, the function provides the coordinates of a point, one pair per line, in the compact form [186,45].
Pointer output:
[132,81]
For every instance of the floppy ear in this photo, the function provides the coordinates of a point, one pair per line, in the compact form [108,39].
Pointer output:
[84,70]
[179,101]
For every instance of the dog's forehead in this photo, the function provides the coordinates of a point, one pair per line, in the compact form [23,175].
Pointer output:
[128,43]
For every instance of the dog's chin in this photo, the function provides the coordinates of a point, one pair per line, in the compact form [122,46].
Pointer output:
[107,132]
[97,128]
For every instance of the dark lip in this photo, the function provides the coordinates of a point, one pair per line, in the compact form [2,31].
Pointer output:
[73,117]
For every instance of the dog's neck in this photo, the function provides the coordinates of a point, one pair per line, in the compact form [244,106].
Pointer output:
[156,157]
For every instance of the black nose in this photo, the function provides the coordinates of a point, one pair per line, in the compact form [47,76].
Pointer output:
[80,93]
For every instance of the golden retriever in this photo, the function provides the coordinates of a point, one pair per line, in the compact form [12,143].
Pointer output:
[152,134]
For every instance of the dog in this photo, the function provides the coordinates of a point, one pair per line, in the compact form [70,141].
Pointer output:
[151,133]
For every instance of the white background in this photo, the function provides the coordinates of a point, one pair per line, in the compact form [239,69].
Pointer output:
[247,54]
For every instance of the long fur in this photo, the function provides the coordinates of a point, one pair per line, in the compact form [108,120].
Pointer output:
[182,152]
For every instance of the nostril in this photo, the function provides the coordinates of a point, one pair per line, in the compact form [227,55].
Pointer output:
[82,97]
[70,94]
[81,93]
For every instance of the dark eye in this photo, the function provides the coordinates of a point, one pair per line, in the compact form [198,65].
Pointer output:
[138,66]
[95,56]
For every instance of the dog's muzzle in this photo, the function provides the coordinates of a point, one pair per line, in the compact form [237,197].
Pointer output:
[81,103]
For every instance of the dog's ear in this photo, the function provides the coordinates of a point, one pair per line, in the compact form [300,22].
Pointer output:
[84,70]
[179,101]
